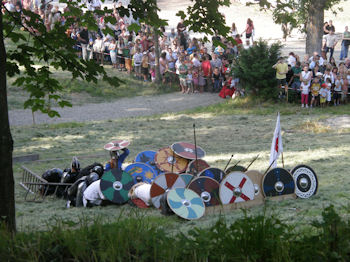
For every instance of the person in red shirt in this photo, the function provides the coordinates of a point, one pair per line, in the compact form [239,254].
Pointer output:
[227,90]
[207,71]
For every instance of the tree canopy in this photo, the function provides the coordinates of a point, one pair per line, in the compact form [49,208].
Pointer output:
[305,15]
[36,51]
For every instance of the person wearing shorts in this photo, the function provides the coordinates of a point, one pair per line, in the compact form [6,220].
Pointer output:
[249,32]
[281,75]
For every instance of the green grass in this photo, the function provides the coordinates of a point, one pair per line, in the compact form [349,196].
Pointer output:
[224,129]
[79,92]
[262,237]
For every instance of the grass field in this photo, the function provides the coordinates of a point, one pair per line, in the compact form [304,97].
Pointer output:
[79,92]
[244,128]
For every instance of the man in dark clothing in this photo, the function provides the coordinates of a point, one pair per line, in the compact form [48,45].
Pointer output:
[83,38]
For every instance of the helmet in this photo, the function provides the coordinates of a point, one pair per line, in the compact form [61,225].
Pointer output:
[92,178]
[75,164]
[98,170]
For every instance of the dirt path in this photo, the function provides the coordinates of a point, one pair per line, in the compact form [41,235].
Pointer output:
[122,108]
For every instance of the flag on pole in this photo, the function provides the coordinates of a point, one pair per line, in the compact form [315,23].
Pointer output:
[277,145]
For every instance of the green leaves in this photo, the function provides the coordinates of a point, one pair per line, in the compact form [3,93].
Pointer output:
[254,69]
[204,17]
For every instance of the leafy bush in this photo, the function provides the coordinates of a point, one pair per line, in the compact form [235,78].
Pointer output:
[258,238]
[254,69]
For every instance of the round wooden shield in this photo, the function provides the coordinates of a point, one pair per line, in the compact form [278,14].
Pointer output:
[167,161]
[277,182]
[207,188]
[214,173]
[256,178]
[197,166]
[147,157]
[306,182]
[185,203]
[141,172]
[236,187]
[116,145]
[235,168]
[115,185]
[162,183]
[187,178]
[187,150]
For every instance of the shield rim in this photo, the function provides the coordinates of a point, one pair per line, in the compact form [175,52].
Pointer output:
[194,158]
[183,216]
[192,161]
[222,185]
[313,172]
[199,174]
[122,171]
[268,173]
[153,171]
[116,148]
[176,156]
[205,177]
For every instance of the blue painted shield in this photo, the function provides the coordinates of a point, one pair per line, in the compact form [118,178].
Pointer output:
[141,172]
[147,157]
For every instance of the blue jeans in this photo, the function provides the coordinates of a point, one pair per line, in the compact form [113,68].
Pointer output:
[331,50]
[344,51]
[217,85]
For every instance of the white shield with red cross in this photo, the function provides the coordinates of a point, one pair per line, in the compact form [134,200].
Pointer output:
[236,187]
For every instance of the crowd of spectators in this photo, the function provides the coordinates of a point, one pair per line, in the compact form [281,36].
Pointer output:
[319,81]
[186,61]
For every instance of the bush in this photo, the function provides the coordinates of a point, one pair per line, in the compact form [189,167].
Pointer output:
[252,238]
[254,69]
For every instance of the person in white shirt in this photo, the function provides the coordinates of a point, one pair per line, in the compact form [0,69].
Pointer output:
[291,59]
[99,48]
[92,195]
[305,79]
[330,41]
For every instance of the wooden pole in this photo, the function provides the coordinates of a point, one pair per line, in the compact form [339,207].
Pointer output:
[228,163]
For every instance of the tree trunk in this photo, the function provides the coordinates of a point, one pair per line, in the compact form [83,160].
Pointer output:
[156,49]
[314,27]
[7,193]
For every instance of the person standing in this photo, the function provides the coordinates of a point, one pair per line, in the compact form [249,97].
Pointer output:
[345,44]
[249,31]
[330,41]
[305,79]
[281,74]
[83,38]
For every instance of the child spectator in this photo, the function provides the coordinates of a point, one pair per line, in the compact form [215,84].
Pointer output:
[112,47]
[201,80]
[189,81]
[295,81]
[315,88]
[344,89]
[305,79]
[137,63]
[195,76]
[182,74]
[152,72]
[216,77]
[329,92]
[323,95]
[338,90]
[144,66]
